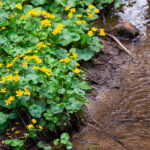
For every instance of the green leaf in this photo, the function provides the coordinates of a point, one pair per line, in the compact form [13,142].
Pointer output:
[3,118]
[35,111]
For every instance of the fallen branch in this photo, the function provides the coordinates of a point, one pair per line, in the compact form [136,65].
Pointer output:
[119,43]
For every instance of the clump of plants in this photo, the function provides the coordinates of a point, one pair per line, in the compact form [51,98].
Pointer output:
[40,76]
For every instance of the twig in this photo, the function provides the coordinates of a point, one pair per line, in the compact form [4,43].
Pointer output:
[22,120]
[120,44]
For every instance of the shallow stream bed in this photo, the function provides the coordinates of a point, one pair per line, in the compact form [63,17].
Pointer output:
[120,105]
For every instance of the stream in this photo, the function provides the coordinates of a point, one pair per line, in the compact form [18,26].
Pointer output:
[122,116]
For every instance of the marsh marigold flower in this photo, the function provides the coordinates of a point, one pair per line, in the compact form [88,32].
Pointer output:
[97,11]
[79,15]
[16,78]
[78,22]
[66,60]
[19,6]
[74,55]
[3,90]
[102,33]
[72,10]
[27,92]
[70,15]
[19,93]
[90,15]
[57,29]
[1,3]
[67,8]
[12,16]
[76,70]
[90,6]
[94,29]
[90,32]
[34,121]
[25,64]
[61,60]
[30,126]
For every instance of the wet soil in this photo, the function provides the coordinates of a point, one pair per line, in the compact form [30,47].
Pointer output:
[119,109]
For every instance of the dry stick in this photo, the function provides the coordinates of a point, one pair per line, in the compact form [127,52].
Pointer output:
[119,43]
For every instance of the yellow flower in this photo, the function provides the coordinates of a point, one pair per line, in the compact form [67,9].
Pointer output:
[7,102]
[94,29]
[90,6]
[12,16]
[78,22]
[40,127]
[72,10]
[9,65]
[29,51]
[3,90]
[11,98]
[16,72]
[25,64]
[83,21]
[49,44]
[57,29]
[1,65]
[3,142]
[1,3]
[4,79]
[90,15]
[16,78]
[9,78]
[76,70]
[30,126]
[90,32]
[27,92]
[17,132]
[66,60]
[34,121]
[45,22]
[35,67]
[40,45]
[39,60]
[70,15]
[61,60]
[79,15]
[97,11]
[102,33]
[19,6]
[74,55]
[67,8]
[77,64]
[2,28]
[35,51]
[88,10]
[19,93]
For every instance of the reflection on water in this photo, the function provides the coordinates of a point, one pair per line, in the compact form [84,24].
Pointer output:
[124,117]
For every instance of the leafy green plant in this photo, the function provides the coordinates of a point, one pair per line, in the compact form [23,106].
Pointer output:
[39,70]
[64,141]
[17,144]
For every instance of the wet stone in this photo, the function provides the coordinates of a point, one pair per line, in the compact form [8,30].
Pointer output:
[127,30]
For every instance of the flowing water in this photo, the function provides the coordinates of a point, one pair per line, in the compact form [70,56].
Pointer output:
[123,118]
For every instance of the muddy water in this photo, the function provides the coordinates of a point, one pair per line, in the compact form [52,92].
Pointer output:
[120,119]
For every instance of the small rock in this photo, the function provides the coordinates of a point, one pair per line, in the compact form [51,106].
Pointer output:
[127,30]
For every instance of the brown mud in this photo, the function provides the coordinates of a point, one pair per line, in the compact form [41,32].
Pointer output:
[119,109]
